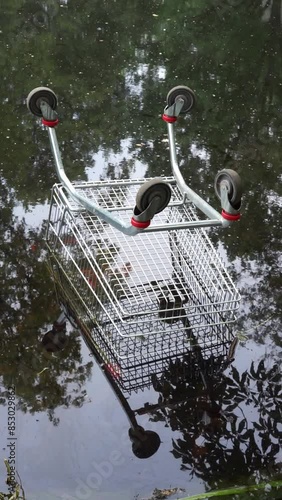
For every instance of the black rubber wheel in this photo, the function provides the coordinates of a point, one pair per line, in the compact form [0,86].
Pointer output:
[151,189]
[144,443]
[184,93]
[54,341]
[38,94]
[233,182]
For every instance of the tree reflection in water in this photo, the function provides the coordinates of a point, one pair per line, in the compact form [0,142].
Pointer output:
[230,429]
[28,304]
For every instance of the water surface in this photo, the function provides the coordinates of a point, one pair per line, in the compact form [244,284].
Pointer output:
[112,64]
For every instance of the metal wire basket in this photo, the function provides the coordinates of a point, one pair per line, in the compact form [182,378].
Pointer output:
[149,298]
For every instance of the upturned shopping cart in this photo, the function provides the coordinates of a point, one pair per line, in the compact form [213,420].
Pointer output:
[137,258]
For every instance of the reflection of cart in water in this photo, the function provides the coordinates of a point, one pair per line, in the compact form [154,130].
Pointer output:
[144,293]
[200,370]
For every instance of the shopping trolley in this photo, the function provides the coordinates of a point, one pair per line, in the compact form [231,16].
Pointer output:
[138,259]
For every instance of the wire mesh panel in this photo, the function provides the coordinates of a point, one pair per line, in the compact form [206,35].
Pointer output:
[145,273]
[143,357]
[148,297]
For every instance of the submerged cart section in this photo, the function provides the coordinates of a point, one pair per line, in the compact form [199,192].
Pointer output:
[147,298]
[145,357]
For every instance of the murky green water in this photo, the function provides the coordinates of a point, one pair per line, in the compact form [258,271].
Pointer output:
[111,64]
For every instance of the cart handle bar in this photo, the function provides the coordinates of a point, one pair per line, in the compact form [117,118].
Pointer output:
[215,219]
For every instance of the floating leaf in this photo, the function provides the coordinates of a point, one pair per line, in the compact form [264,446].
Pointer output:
[252,371]
[242,425]
[242,336]
[235,375]
[265,443]
[42,371]
[231,407]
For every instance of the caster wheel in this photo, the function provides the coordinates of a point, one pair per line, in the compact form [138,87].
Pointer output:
[151,189]
[185,93]
[54,341]
[40,94]
[233,182]
[144,443]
